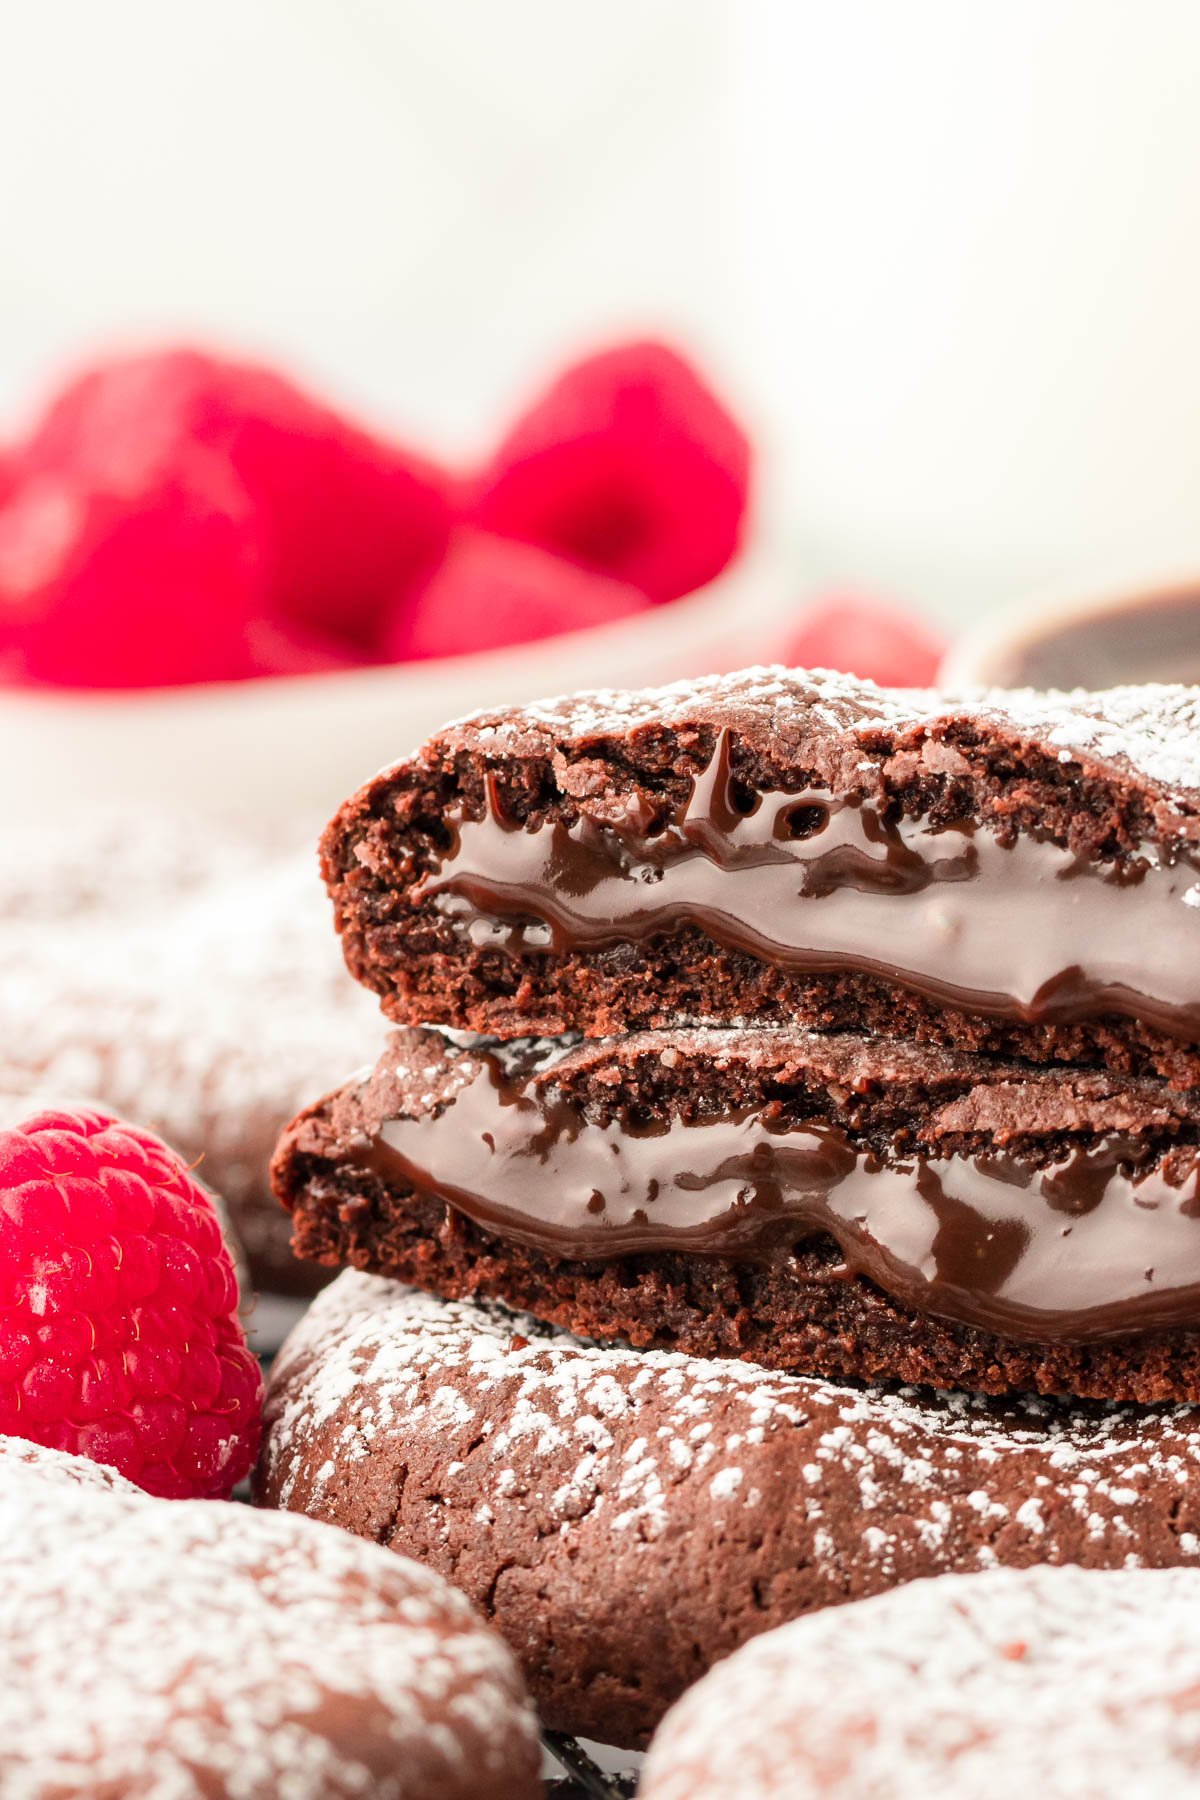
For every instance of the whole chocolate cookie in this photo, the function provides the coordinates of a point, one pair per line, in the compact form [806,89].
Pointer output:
[628,1518]
[208,1652]
[1059,1683]
[18,1458]
[1015,873]
[820,1203]
[188,981]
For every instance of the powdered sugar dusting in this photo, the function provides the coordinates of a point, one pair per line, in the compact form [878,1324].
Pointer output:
[194,988]
[18,1456]
[1067,1684]
[625,1432]
[172,1649]
[1152,729]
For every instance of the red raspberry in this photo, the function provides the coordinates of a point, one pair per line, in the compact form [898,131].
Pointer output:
[99,588]
[166,504]
[630,465]
[281,647]
[862,637]
[119,1333]
[348,517]
[491,591]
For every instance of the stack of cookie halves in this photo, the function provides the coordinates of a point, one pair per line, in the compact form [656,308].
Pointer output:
[783,1181]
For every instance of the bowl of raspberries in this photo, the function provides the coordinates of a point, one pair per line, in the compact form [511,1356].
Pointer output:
[221,594]
[216,587]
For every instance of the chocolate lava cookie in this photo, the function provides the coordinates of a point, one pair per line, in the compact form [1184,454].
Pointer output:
[1018,874]
[628,1518]
[1057,1683]
[202,1651]
[818,1203]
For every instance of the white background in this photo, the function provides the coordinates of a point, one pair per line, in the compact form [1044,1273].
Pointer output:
[419,204]
[945,254]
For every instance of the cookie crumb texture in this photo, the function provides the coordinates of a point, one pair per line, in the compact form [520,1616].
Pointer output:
[790,1306]
[626,1518]
[1062,1683]
[195,1651]
[1114,779]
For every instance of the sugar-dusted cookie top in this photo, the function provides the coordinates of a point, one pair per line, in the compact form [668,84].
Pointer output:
[628,1517]
[172,1649]
[1062,1683]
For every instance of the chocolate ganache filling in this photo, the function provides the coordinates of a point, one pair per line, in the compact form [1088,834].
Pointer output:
[1098,1244]
[1022,929]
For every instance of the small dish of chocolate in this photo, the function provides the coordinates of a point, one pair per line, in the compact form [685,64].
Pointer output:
[1101,640]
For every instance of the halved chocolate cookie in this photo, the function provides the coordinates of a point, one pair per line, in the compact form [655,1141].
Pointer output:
[819,1203]
[1014,873]
[628,1518]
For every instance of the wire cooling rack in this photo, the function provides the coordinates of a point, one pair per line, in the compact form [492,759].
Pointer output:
[582,1777]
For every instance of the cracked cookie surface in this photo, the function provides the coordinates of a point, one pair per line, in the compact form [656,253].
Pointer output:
[628,1518]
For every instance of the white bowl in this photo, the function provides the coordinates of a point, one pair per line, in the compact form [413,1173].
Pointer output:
[283,752]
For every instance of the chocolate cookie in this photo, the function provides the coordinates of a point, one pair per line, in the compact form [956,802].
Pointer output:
[186,983]
[19,1457]
[196,1649]
[1058,1683]
[628,1518]
[818,1203]
[1017,873]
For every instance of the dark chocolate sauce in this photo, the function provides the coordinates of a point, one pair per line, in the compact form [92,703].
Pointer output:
[1153,638]
[1086,1248]
[1024,931]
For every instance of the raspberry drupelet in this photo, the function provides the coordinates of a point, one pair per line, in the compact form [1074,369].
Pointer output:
[119,1333]
[628,464]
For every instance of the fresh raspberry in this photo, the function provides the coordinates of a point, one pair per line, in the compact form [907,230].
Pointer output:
[282,647]
[630,465]
[349,517]
[119,1333]
[865,638]
[330,521]
[492,591]
[99,588]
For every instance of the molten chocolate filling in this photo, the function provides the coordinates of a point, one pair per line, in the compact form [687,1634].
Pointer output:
[1024,930]
[1095,1245]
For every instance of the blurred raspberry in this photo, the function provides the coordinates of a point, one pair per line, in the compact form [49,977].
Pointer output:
[282,647]
[866,638]
[628,464]
[491,591]
[103,589]
[340,520]
[119,1334]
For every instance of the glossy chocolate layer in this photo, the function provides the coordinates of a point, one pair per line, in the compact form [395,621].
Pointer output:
[808,881]
[1089,1247]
